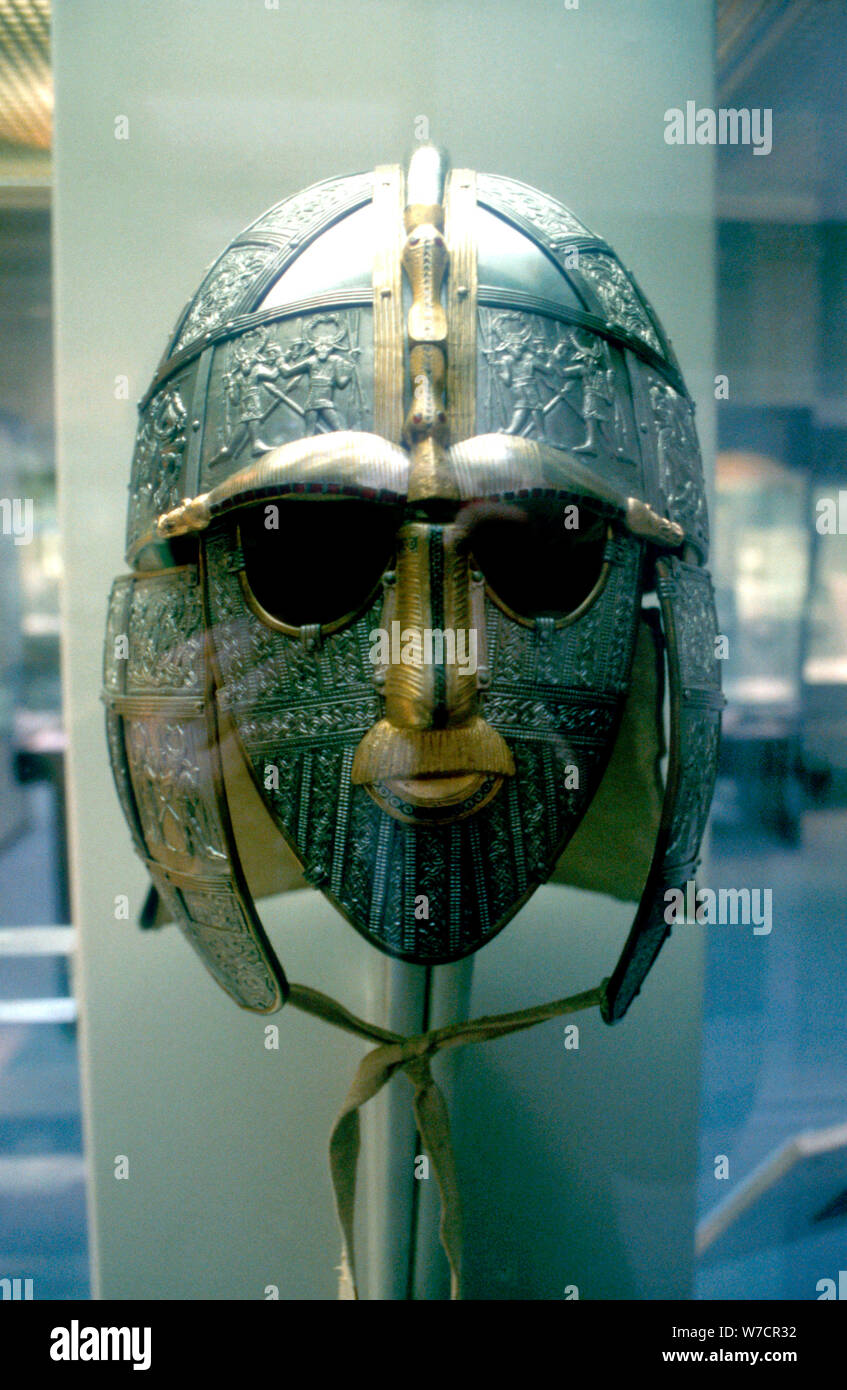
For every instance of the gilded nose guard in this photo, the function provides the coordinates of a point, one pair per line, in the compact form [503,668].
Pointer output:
[433,757]
[433,751]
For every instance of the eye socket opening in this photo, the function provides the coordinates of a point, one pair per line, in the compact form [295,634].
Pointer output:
[314,561]
[539,560]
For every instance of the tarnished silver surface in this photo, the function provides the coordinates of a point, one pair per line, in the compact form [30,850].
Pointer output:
[156,482]
[263,252]
[690,624]
[305,375]
[680,469]
[482,357]
[555,694]
[339,261]
[561,384]
[539,214]
[166,761]
[590,265]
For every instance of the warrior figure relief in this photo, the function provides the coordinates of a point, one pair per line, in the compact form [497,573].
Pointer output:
[329,367]
[258,366]
[590,366]
[521,362]
[671,440]
[540,375]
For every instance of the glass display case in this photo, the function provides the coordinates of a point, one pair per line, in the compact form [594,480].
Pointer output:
[761,563]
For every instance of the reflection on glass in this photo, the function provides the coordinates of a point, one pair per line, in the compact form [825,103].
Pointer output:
[761,575]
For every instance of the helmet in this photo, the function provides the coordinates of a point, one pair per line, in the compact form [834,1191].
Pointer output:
[415,460]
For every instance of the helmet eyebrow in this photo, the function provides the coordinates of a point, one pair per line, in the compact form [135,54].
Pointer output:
[497,465]
[345,462]
[353,463]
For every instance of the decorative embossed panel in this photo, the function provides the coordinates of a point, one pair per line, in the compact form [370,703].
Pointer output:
[116,647]
[680,467]
[166,634]
[171,776]
[166,776]
[123,782]
[286,380]
[698,767]
[555,223]
[224,288]
[294,217]
[620,304]
[558,383]
[230,286]
[218,929]
[591,654]
[696,704]
[688,590]
[694,596]
[160,446]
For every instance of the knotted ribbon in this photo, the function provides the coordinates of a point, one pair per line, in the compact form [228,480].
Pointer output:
[412,1056]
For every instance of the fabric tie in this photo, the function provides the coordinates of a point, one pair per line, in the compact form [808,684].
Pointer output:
[412,1056]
